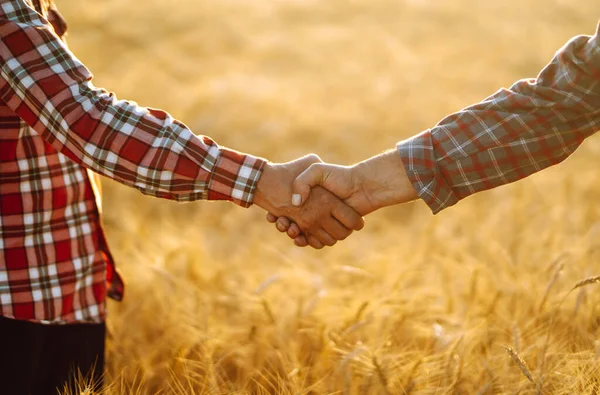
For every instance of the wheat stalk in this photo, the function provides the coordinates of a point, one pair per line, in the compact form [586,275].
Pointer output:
[409,382]
[267,283]
[578,302]
[492,307]
[579,284]
[516,338]
[357,316]
[550,285]
[584,282]
[522,365]
[380,373]
[269,312]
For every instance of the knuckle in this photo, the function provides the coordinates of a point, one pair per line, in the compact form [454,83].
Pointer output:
[319,166]
[315,168]
[314,157]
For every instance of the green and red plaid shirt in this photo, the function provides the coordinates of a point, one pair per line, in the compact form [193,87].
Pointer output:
[512,134]
[54,126]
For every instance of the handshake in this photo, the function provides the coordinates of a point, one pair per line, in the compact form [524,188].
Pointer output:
[318,203]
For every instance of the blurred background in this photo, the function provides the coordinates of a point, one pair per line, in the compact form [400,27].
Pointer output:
[219,302]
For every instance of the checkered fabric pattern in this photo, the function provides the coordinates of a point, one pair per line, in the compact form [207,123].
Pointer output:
[512,134]
[55,266]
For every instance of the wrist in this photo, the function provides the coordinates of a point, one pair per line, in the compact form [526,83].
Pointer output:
[274,187]
[263,185]
[384,180]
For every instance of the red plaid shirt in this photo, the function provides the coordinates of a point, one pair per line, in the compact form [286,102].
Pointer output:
[54,125]
[511,134]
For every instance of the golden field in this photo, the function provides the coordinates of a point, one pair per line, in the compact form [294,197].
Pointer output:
[218,302]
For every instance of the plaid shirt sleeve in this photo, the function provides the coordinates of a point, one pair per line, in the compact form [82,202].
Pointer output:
[51,90]
[512,134]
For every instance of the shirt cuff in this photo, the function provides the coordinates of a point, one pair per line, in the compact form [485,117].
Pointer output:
[420,164]
[235,177]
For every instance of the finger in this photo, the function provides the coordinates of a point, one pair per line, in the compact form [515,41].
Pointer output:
[272,218]
[294,231]
[301,241]
[348,217]
[335,229]
[324,237]
[282,224]
[305,181]
[314,242]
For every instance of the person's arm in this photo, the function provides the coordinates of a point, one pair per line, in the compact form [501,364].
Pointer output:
[51,90]
[510,135]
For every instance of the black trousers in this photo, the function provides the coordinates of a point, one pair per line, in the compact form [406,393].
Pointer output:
[42,359]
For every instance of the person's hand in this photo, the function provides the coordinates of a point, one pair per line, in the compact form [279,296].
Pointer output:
[367,186]
[323,220]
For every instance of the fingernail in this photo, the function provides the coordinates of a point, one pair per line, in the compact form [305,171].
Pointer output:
[296,199]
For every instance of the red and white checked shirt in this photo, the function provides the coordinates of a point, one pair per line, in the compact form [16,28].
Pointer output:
[54,125]
[514,133]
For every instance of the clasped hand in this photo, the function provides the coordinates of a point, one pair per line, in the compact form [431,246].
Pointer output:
[322,220]
[364,187]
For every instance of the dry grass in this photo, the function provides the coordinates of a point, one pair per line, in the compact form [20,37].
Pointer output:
[218,302]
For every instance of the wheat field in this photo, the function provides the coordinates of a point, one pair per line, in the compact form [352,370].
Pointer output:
[474,300]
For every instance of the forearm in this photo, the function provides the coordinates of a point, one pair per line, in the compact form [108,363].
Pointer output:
[513,133]
[149,150]
[383,180]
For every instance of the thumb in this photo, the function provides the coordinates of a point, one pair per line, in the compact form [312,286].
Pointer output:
[312,176]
